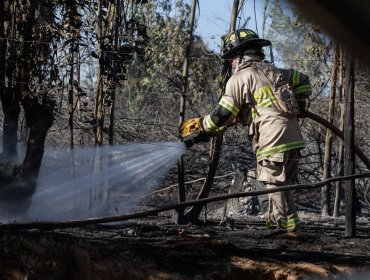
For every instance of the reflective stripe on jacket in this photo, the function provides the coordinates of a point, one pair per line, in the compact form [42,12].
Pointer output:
[249,97]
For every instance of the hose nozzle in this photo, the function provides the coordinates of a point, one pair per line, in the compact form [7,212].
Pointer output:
[200,137]
[189,143]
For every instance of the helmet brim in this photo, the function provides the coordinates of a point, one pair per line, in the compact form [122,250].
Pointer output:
[250,43]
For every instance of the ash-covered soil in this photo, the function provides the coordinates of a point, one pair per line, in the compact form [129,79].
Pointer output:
[156,248]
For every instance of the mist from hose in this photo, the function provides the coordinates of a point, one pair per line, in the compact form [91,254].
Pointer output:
[96,181]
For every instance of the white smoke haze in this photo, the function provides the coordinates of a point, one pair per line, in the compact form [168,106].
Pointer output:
[21,152]
[97,182]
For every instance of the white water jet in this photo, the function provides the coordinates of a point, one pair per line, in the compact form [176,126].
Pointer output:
[97,182]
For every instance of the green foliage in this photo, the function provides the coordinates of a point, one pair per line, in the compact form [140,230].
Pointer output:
[152,91]
[299,43]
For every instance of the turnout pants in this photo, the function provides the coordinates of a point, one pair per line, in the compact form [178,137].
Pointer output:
[275,172]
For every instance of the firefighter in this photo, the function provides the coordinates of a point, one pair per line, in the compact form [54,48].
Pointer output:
[268,101]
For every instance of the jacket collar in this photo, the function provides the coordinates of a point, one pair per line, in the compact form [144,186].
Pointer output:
[246,61]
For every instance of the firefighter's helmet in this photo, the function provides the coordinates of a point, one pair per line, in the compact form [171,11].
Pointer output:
[241,40]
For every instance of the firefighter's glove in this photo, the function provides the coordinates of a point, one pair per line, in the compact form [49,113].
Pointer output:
[199,138]
[188,127]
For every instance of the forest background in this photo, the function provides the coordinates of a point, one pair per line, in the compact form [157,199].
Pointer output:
[77,74]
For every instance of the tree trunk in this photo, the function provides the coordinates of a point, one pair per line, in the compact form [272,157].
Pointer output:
[2,49]
[19,181]
[179,213]
[216,143]
[10,103]
[325,191]
[39,118]
[349,154]
[99,100]
[70,96]
[115,78]
[338,184]
[2,54]
[10,97]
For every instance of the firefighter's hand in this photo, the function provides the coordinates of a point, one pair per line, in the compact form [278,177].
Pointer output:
[200,137]
[188,127]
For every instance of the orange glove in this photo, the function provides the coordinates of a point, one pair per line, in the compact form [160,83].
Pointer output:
[190,126]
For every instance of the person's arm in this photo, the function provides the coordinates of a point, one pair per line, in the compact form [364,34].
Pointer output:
[301,87]
[227,110]
[206,127]
[222,116]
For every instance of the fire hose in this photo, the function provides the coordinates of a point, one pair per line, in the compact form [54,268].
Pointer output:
[339,133]
[192,126]
[47,225]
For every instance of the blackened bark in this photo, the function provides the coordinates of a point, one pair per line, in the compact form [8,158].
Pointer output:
[179,214]
[339,196]
[325,191]
[349,152]
[11,108]
[99,100]
[18,182]
[193,214]
[39,118]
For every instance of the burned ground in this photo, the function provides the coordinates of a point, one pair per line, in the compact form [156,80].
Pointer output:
[156,248]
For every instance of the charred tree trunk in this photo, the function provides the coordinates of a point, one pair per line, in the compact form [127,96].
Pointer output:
[338,185]
[349,153]
[39,118]
[72,23]
[2,49]
[325,191]
[99,100]
[10,102]
[2,59]
[115,74]
[10,95]
[19,181]
[179,214]
[70,98]
[216,144]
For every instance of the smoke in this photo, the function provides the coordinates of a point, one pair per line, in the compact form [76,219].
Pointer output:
[21,152]
[97,182]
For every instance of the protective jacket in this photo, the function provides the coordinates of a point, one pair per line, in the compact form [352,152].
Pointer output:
[250,100]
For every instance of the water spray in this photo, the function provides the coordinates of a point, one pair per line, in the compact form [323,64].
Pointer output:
[96,182]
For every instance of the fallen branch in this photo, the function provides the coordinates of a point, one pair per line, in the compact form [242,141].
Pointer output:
[91,221]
